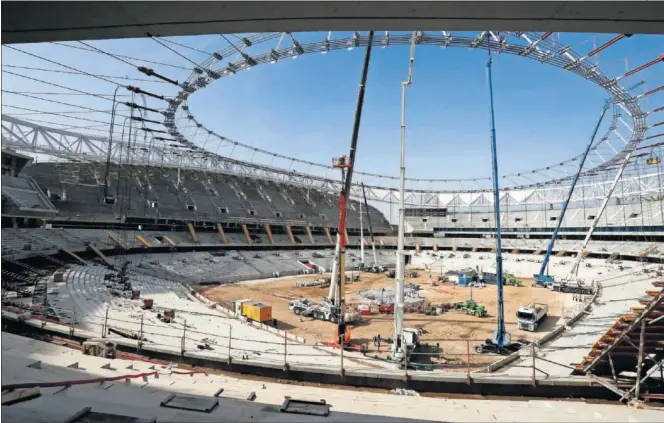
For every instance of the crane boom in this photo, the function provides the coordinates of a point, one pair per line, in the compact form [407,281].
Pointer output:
[579,256]
[373,243]
[541,278]
[399,347]
[347,177]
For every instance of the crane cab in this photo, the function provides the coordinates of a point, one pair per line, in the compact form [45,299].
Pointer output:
[651,161]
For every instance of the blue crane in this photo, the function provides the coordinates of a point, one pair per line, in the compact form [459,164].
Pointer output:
[541,278]
[500,336]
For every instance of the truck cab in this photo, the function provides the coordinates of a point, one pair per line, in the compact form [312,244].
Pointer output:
[529,317]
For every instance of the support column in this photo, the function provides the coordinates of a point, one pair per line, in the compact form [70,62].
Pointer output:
[80,260]
[169,241]
[329,237]
[246,234]
[290,233]
[639,365]
[417,248]
[116,240]
[192,232]
[268,231]
[95,250]
[346,235]
[222,234]
[143,241]
[311,237]
[435,247]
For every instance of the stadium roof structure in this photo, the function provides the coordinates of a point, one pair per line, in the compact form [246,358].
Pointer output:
[174,137]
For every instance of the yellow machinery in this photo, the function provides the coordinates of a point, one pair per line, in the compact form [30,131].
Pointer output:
[254,310]
[653,161]
[142,240]
[257,311]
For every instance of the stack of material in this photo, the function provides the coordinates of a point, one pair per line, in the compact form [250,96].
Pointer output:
[317,283]
[387,295]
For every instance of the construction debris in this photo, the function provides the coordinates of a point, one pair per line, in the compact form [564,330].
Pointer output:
[406,392]
[320,283]
[381,296]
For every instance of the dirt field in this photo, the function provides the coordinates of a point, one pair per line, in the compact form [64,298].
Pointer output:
[451,330]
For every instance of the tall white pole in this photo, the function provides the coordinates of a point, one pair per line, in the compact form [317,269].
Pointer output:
[361,237]
[398,342]
[333,292]
[574,273]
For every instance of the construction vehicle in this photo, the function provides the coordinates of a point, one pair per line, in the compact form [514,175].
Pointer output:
[490,347]
[530,317]
[511,280]
[391,273]
[254,311]
[325,311]
[386,309]
[345,340]
[417,355]
[471,307]
[542,279]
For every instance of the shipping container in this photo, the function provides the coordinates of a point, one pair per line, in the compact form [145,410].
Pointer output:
[256,311]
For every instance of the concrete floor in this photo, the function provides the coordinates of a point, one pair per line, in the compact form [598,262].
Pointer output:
[84,293]
[26,360]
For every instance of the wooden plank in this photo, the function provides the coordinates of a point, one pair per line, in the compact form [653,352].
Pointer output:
[20,395]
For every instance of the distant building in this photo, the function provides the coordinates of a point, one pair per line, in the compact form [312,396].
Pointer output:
[462,277]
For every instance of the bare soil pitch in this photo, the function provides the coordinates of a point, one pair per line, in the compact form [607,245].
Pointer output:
[454,331]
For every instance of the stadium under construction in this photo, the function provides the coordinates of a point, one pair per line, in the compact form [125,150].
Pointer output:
[157,248]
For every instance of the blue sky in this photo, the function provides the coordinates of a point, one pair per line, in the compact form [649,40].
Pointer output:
[305,107]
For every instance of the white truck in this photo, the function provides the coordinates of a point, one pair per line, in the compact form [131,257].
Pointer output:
[530,317]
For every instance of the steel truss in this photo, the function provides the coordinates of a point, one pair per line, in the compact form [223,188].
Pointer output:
[70,146]
[532,45]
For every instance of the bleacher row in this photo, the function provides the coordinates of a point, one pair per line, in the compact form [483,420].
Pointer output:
[84,299]
[77,191]
[648,213]
[23,242]
[23,195]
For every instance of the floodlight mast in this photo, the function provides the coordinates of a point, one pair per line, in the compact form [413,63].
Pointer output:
[346,166]
[399,349]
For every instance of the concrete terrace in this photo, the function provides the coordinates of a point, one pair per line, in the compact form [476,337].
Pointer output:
[26,360]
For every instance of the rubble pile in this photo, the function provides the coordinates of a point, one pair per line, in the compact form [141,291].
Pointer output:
[387,295]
